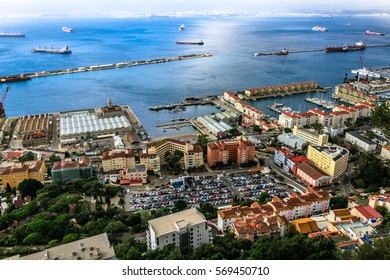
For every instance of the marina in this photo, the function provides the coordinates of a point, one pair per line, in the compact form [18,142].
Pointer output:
[320,102]
[11,78]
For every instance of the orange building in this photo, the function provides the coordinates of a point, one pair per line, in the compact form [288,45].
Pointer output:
[238,151]
[20,171]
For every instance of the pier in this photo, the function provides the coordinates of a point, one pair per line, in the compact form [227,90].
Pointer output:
[28,76]
[186,102]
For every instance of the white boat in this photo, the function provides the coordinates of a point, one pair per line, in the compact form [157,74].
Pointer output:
[182,27]
[67,29]
[319,28]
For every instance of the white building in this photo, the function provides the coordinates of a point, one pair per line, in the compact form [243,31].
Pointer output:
[385,152]
[357,139]
[185,229]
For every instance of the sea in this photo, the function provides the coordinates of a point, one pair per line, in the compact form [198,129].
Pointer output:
[232,66]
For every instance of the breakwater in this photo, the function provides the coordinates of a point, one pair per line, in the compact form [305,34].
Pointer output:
[27,76]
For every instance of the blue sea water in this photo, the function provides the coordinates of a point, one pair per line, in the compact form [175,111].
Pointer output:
[231,40]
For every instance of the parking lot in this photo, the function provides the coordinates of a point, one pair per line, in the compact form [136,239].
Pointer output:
[217,191]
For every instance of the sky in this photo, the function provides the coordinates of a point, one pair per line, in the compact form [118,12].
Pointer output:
[101,7]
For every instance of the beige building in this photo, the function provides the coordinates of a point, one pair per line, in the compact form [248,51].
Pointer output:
[193,153]
[96,247]
[184,229]
[379,200]
[151,161]
[385,152]
[117,160]
[15,174]
[333,160]
[311,135]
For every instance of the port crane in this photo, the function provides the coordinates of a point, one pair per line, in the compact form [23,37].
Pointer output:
[2,112]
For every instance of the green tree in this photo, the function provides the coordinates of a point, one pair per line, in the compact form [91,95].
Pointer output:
[317,126]
[27,156]
[380,116]
[338,202]
[202,141]
[34,239]
[53,158]
[70,238]
[287,130]
[179,205]
[29,187]
[264,198]
[208,210]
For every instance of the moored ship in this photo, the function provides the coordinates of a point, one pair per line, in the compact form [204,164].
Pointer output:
[282,52]
[64,50]
[357,47]
[67,29]
[198,42]
[13,35]
[369,32]
[14,78]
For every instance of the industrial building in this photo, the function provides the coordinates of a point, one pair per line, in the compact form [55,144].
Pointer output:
[292,141]
[213,125]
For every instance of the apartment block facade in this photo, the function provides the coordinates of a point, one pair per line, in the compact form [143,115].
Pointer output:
[15,174]
[118,160]
[238,151]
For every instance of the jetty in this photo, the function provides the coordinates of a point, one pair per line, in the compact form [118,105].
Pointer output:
[28,76]
[178,107]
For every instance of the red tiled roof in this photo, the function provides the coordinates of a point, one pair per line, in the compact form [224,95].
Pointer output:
[338,113]
[290,115]
[299,159]
[117,154]
[312,171]
[319,112]
[306,114]
[368,212]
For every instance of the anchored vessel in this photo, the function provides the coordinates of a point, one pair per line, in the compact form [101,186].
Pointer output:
[357,47]
[319,28]
[369,32]
[182,27]
[282,52]
[67,29]
[64,50]
[14,78]
[262,53]
[17,35]
[180,42]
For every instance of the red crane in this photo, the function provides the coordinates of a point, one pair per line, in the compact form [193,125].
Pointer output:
[2,112]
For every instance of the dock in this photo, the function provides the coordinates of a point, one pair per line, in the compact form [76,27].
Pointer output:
[28,76]
[181,106]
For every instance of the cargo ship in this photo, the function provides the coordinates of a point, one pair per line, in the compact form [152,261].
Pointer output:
[262,53]
[14,35]
[180,42]
[357,47]
[64,50]
[14,78]
[282,52]
[67,29]
[369,32]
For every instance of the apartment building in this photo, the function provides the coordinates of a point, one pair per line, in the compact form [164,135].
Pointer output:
[15,174]
[311,135]
[333,160]
[238,151]
[68,169]
[118,160]
[184,229]
[358,139]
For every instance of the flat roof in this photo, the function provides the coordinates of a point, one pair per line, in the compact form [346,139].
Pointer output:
[359,135]
[96,247]
[169,223]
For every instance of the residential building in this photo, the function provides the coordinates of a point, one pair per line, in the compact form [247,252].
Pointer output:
[385,152]
[367,214]
[281,156]
[341,215]
[311,135]
[96,247]
[117,160]
[379,200]
[312,176]
[13,175]
[256,225]
[305,225]
[355,231]
[193,153]
[292,141]
[333,160]
[151,161]
[184,229]
[137,175]
[238,151]
[292,163]
[68,169]
[358,139]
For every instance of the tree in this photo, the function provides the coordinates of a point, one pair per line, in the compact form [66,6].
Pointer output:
[319,127]
[179,205]
[29,187]
[287,130]
[66,154]
[27,156]
[380,116]
[264,198]
[208,210]
[34,239]
[338,202]
[8,188]
[202,141]
[53,158]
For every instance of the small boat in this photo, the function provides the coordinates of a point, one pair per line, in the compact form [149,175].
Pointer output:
[180,42]
[282,52]
[319,28]
[182,27]
[64,50]
[369,32]
[67,29]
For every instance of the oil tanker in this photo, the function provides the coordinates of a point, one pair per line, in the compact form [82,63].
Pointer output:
[180,42]
[357,47]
